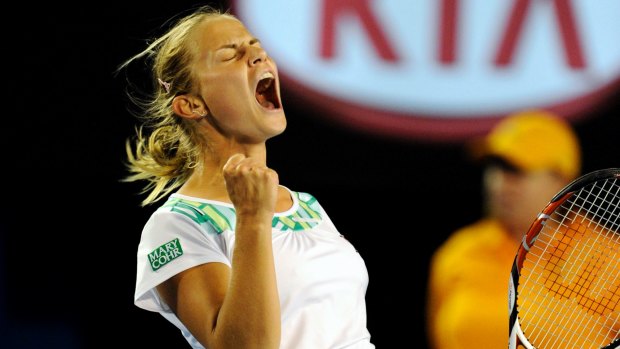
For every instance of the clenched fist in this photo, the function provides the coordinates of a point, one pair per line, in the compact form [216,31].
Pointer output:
[252,186]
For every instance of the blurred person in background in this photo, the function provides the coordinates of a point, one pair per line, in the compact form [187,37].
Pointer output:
[527,158]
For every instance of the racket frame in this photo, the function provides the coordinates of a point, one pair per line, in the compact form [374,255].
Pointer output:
[516,335]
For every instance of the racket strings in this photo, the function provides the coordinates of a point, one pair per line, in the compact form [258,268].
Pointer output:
[600,275]
[583,292]
[596,250]
[569,286]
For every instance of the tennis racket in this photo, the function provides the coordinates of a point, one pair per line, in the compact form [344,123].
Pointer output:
[564,289]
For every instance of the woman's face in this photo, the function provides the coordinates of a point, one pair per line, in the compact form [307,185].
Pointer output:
[238,82]
[516,197]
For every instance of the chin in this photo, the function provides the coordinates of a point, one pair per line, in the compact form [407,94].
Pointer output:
[280,130]
[278,120]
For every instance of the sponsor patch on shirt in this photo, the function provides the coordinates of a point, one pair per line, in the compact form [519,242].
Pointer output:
[165,254]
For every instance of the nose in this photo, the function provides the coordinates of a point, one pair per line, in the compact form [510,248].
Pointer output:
[256,55]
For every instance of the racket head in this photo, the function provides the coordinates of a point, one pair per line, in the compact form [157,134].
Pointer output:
[564,288]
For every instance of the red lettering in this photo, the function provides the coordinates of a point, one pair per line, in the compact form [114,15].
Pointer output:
[335,9]
[567,27]
[448,25]
[572,44]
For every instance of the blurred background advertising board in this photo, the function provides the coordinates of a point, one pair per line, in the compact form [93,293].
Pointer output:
[439,70]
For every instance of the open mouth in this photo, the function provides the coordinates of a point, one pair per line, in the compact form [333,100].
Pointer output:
[266,92]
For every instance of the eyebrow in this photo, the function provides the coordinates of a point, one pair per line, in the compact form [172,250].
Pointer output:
[234,46]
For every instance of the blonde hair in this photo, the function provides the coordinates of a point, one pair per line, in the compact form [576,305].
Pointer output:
[167,147]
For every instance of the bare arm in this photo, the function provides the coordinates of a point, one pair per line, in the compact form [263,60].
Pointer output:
[236,307]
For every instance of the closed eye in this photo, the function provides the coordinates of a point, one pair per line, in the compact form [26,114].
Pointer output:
[232,51]
[228,54]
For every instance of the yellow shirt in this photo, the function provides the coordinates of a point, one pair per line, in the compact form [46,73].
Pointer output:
[468,288]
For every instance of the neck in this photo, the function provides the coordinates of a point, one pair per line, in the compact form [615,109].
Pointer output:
[207,180]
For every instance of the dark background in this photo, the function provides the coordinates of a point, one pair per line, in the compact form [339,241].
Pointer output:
[69,228]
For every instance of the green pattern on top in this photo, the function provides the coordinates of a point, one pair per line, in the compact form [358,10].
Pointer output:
[220,217]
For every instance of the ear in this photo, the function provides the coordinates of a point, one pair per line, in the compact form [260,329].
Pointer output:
[188,106]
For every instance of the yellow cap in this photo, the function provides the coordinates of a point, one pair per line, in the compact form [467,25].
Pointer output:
[534,140]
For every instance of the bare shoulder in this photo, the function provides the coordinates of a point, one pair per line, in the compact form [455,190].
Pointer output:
[285,199]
